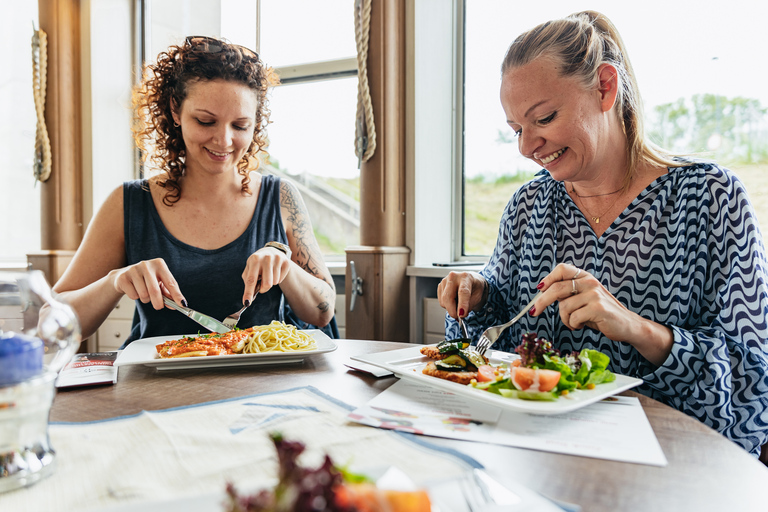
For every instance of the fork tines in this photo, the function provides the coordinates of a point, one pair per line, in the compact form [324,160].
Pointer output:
[483,344]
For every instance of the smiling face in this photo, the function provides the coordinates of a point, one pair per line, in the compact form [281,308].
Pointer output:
[217,121]
[568,129]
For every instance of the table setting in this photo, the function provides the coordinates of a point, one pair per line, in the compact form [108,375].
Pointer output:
[173,438]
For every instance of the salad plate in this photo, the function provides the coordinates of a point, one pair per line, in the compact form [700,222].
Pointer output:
[143,352]
[407,363]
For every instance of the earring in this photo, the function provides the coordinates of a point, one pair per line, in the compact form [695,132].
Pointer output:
[176,124]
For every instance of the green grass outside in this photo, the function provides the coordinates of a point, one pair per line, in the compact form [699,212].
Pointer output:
[484,202]
[755,178]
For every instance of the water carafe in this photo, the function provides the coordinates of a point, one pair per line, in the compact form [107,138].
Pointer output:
[39,334]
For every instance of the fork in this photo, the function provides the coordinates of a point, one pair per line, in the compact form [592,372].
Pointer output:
[463,327]
[491,334]
[231,320]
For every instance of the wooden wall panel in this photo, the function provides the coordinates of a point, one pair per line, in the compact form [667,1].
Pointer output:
[382,178]
[61,195]
[383,312]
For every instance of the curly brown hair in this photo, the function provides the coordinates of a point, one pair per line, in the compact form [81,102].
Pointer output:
[165,87]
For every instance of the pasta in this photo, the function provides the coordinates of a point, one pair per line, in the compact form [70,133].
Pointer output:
[277,337]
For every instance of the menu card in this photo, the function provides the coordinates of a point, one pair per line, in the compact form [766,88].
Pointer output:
[89,369]
[614,429]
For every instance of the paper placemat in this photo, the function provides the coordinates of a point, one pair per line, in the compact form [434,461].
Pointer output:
[613,429]
[183,452]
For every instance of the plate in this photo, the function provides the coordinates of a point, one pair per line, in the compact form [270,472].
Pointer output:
[407,363]
[143,352]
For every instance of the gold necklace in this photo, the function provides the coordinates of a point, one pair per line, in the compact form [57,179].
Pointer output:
[596,218]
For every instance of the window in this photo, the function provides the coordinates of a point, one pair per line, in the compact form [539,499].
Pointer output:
[311,45]
[20,203]
[312,135]
[702,88]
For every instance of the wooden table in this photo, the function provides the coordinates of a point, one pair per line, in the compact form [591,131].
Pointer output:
[705,472]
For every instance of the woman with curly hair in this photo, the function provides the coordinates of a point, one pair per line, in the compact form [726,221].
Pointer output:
[208,231]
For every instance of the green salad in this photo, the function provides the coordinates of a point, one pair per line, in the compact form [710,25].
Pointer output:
[542,373]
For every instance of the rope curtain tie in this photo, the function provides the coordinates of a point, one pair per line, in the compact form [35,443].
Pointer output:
[365,128]
[42,157]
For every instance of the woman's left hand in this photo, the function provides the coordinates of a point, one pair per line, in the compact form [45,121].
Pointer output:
[584,302]
[268,265]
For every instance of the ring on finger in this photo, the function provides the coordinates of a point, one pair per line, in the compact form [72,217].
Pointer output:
[574,290]
[578,271]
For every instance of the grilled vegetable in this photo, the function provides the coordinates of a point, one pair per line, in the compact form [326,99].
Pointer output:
[451,367]
[448,346]
[473,358]
[461,360]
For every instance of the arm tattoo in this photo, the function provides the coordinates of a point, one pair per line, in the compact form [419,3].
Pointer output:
[324,304]
[307,251]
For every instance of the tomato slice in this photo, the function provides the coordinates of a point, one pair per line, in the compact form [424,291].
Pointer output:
[528,379]
[485,373]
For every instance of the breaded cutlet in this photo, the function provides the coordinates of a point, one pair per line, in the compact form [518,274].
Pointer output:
[460,377]
[431,352]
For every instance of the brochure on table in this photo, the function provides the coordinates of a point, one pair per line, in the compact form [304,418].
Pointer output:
[89,369]
[612,429]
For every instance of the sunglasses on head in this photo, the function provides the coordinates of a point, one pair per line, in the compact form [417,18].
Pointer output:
[213,45]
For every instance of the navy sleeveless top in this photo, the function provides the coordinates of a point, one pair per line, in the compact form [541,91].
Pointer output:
[211,280]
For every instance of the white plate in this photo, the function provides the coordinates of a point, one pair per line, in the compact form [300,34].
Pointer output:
[407,363]
[143,352]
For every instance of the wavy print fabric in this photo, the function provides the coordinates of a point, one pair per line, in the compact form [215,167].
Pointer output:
[686,253]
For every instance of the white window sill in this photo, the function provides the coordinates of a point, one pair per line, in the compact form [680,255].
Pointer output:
[337,268]
[440,272]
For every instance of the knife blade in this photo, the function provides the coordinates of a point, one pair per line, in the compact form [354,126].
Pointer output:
[206,321]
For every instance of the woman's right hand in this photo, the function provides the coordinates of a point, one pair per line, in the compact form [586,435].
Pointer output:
[148,281]
[461,292]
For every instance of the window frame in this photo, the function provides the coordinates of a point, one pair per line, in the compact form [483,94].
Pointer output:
[434,151]
[311,72]
[458,174]
[317,71]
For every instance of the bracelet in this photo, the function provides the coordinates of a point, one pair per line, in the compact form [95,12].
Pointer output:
[280,247]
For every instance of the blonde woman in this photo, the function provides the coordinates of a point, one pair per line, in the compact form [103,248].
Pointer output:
[655,260]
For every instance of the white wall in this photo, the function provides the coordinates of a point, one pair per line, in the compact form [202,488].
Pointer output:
[19,192]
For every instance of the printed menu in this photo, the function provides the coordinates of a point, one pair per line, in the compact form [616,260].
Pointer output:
[614,429]
[89,369]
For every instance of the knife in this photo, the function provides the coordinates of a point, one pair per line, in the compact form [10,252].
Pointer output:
[206,321]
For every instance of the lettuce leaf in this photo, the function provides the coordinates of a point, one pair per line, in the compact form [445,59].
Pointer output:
[548,396]
[494,386]
[567,379]
[600,377]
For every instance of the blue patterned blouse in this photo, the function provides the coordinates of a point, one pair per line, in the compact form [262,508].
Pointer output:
[687,253]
